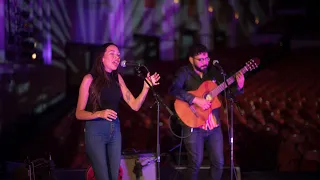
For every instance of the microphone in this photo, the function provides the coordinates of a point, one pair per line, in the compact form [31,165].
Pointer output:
[217,64]
[125,63]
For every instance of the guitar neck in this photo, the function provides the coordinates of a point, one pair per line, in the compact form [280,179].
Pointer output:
[229,81]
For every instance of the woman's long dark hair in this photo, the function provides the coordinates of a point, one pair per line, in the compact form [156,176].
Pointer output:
[100,78]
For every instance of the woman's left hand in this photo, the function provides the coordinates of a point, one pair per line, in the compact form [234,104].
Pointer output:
[152,80]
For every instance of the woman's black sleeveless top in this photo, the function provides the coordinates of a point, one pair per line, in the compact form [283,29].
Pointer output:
[110,95]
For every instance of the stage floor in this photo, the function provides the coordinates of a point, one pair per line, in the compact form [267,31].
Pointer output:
[168,173]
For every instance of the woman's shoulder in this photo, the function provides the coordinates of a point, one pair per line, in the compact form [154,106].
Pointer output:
[87,78]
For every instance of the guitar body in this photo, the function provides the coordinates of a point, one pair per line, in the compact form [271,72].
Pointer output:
[194,116]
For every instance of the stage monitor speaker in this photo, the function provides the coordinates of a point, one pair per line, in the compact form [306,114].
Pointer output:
[130,166]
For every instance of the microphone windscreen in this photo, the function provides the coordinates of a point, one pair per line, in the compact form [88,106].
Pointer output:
[123,63]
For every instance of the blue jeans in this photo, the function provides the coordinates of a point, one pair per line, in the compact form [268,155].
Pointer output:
[103,146]
[194,144]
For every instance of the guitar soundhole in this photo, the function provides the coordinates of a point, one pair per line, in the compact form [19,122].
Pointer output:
[208,97]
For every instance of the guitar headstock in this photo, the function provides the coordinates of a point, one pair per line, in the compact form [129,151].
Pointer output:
[252,64]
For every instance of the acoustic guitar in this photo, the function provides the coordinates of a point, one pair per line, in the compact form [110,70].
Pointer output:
[193,115]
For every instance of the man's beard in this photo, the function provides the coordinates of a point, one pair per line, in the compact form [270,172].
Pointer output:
[201,70]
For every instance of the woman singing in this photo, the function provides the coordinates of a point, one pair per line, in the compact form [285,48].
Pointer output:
[98,104]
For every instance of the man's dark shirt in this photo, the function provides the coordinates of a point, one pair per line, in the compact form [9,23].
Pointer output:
[186,79]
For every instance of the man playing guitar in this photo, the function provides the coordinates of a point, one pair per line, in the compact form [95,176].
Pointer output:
[189,78]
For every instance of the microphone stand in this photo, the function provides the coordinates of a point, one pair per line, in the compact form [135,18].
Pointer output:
[158,101]
[51,165]
[232,102]
[231,98]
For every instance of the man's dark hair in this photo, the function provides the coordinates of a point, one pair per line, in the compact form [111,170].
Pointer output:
[197,49]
